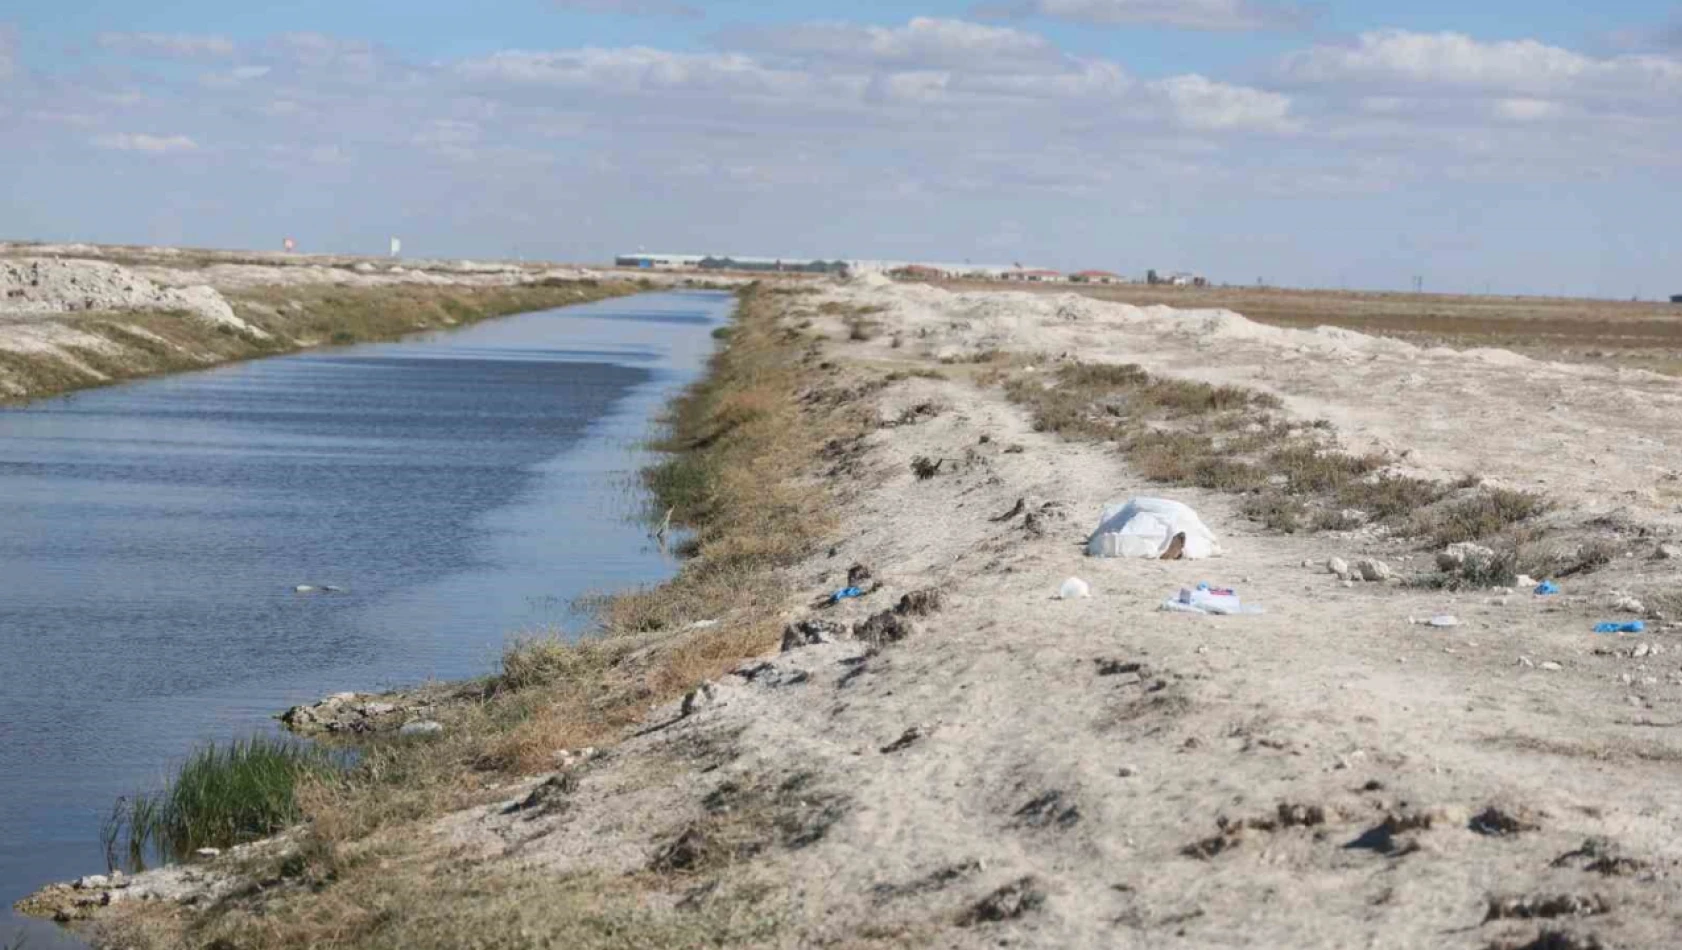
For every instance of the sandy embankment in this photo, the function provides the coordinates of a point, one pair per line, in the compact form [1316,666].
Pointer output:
[76,316]
[1025,771]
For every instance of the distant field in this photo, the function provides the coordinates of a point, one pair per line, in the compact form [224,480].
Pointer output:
[1642,335]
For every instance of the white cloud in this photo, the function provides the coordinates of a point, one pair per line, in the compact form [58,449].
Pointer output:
[1528,67]
[168,45]
[1526,110]
[633,7]
[141,142]
[1199,103]
[923,43]
[1210,15]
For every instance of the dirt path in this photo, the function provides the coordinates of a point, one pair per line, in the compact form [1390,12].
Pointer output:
[1310,777]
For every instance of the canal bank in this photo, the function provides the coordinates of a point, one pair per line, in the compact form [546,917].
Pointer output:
[460,487]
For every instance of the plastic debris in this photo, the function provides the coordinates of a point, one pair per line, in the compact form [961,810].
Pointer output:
[1075,589]
[1444,620]
[845,593]
[1632,626]
[1152,528]
[1546,588]
[1204,599]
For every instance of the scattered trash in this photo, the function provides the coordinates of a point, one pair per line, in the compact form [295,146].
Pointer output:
[1443,620]
[1075,589]
[1208,600]
[1524,580]
[1546,589]
[703,624]
[424,727]
[1633,626]
[324,588]
[1152,528]
[303,589]
[845,593]
[1552,667]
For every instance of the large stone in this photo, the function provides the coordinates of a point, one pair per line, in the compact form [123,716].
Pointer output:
[1373,570]
[1458,557]
[1338,566]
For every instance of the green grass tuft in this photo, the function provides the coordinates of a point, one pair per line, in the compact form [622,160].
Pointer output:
[222,795]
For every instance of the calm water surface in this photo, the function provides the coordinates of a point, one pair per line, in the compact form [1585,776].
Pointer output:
[461,486]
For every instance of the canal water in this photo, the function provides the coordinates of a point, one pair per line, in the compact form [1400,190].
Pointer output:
[462,487]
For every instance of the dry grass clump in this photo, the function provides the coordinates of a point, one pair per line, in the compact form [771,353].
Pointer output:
[1224,438]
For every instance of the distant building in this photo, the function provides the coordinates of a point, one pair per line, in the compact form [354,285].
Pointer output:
[1038,276]
[712,262]
[1676,298]
[1096,277]
[1180,279]
[772,265]
[658,261]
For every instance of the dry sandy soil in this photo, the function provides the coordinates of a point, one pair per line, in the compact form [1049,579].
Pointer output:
[1326,774]
[1635,334]
[1025,771]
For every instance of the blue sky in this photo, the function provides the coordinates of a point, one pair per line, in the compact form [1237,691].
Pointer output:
[1517,147]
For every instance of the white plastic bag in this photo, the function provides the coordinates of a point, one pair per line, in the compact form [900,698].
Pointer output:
[1145,527]
[1075,589]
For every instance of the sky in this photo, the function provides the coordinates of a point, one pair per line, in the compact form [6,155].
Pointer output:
[1507,146]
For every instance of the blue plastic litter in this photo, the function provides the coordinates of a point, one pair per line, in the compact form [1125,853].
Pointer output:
[845,593]
[1633,626]
[1546,587]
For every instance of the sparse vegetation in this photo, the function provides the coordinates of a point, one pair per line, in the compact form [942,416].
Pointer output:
[222,795]
[1224,438]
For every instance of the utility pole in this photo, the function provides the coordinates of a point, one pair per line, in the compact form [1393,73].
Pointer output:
[1418,284]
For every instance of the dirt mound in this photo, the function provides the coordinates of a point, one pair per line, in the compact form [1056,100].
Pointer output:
[34,286]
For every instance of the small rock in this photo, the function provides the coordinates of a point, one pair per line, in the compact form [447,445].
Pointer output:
[92,882]
[1347,582]
[421,727]
[883,628]
[1457,557]
[1307,562]
[1444,620]
[807,633]
[1373,570]
[1641,650]
[1552,667]
[1525,582]
[699,698]
[858,575]
[379,709]
[920,603]
[1127,771]
[1007,903]
[1668,552]
[1526,661]
[1629,605]
[1338,566]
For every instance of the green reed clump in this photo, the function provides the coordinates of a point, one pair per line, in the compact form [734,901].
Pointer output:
[222,795]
